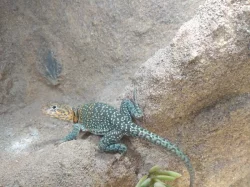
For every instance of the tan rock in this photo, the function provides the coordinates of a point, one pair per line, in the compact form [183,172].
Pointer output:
[195,92]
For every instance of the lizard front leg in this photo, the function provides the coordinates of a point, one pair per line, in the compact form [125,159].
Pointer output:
[73,134]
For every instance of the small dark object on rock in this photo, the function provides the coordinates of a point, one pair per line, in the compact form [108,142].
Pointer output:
[51,68]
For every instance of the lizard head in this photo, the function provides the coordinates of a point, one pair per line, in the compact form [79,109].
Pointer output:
[60,111]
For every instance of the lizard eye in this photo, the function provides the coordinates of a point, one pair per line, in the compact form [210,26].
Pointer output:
[54,107]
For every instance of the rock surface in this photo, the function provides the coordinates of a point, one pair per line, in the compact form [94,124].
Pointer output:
[183,86]
[98,44]
[194,92]
[74,51]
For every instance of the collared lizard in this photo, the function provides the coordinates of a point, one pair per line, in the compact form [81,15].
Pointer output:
[102,119]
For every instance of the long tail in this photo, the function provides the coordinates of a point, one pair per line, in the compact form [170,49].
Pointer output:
[140,132]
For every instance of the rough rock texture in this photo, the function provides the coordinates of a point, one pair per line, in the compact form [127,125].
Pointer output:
[207,60]
[98,44]
[194,92]
[202,77]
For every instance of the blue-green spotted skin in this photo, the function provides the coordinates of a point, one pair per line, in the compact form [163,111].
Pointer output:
[105,120]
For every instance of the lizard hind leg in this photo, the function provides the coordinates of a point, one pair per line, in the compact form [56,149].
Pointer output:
[109,142]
